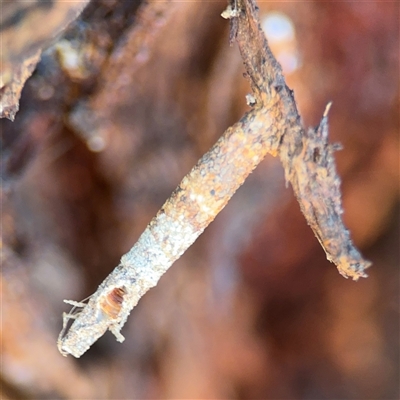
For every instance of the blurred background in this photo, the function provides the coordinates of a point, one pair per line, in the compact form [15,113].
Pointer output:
[120,107]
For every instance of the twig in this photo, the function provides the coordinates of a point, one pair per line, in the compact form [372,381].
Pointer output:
[306,155]
[272,126]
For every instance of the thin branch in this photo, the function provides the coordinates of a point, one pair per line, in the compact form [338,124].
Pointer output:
[306,155]
[272,126]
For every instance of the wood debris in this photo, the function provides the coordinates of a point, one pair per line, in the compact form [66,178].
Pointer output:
[271,126]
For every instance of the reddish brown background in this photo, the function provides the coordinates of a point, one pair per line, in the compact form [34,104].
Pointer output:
[253,309]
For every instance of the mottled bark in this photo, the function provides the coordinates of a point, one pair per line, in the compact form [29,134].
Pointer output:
[272,126]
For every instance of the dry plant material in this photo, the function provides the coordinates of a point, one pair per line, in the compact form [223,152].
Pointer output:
[272,126]
[28,27]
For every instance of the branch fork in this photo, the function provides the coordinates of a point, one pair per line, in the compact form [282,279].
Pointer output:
[271,126]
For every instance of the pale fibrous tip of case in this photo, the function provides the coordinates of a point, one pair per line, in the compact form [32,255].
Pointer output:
[71,315]
[76,340]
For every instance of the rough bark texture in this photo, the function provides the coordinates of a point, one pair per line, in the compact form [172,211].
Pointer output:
[306,155]
[273,126]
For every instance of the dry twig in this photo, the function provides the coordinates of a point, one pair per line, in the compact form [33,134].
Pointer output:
[272,126]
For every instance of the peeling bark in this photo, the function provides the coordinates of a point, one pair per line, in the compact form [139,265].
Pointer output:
[305,154]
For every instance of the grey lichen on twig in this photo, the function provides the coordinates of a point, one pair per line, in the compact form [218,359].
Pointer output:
[271,126]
